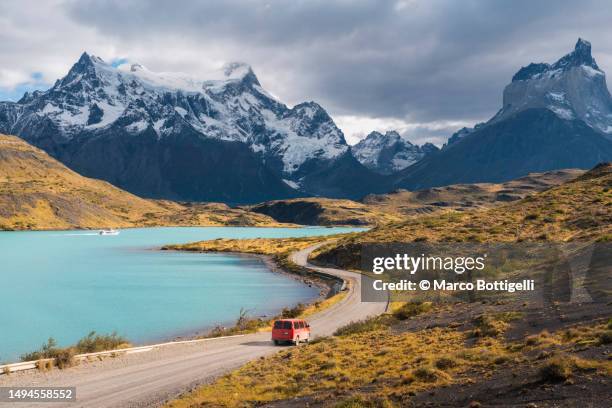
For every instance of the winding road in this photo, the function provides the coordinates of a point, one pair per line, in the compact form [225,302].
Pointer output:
[150,379]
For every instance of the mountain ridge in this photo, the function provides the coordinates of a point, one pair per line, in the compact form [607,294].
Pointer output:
[553,116]
[390,152]
[95,105]
[39,193]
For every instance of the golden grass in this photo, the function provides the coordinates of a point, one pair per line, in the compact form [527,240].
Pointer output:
[577,210]
[393,365]
[402,363]
[38,192]
[265,246]
[329,211]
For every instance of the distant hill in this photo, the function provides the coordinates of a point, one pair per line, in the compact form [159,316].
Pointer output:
[325,211]
[580,209]
[38,192]
[468,196]
[378,209]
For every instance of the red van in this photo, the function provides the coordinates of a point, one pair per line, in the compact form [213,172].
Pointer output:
[290,330]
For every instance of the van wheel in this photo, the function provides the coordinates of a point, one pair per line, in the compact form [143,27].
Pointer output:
[276,342]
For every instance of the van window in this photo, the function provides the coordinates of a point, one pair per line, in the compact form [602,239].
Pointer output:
[299,325]
[287,325]
[278,324]
[302,325]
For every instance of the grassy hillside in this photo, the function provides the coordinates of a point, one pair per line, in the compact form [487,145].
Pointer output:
[447,356]
[38,192]
[380,209]
[580,209]
[499,351]
[325,211]
[468,196]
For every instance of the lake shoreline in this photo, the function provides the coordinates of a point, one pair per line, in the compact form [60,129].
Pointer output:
[273,267]
[97,281]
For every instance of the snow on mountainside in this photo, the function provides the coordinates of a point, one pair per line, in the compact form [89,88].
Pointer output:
[230,105]
[390,152]
[573,88]
[553,117]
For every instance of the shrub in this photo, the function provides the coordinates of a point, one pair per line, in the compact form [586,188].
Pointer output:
[488,326]
[445,363]
[557,369]
[362,326]
[426,374]
[64,357]
[93,342]
[411,309]
[292,313]
[605,337]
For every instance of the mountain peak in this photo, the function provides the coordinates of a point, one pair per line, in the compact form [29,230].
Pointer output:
[389,152]
[583,47]
[580,56]
[240,71]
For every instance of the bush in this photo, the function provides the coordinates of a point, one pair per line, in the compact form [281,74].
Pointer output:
[93,342]
[64,357]
[426,374]
[605,337]
[445,363]
[488,326]
[292,313]
[411,309]
[557,369]
[362,326]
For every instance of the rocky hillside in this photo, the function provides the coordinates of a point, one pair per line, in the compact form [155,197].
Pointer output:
[325,211]
[553,116]
[390,152]
[37,192]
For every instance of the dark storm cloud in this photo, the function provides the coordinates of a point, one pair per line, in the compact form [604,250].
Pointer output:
[428,64]
[423,61]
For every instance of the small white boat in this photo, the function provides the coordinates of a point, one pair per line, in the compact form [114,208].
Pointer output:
[109,231]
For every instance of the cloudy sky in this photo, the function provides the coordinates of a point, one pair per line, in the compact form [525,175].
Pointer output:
[425,68]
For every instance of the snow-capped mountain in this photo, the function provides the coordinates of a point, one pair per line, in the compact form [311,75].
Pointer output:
[573,88]
[390,152]
[554,116]
[128,110]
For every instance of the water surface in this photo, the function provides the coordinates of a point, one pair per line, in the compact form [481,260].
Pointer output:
[67,283]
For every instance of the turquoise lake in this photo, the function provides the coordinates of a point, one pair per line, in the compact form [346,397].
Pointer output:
[64,284]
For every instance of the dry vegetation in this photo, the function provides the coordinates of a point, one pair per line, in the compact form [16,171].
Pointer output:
[50,354]
[265,246]
[398,206]
[577,210]
[451,354]
[375,363]
[467,196]
[326,211]
[38,192]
